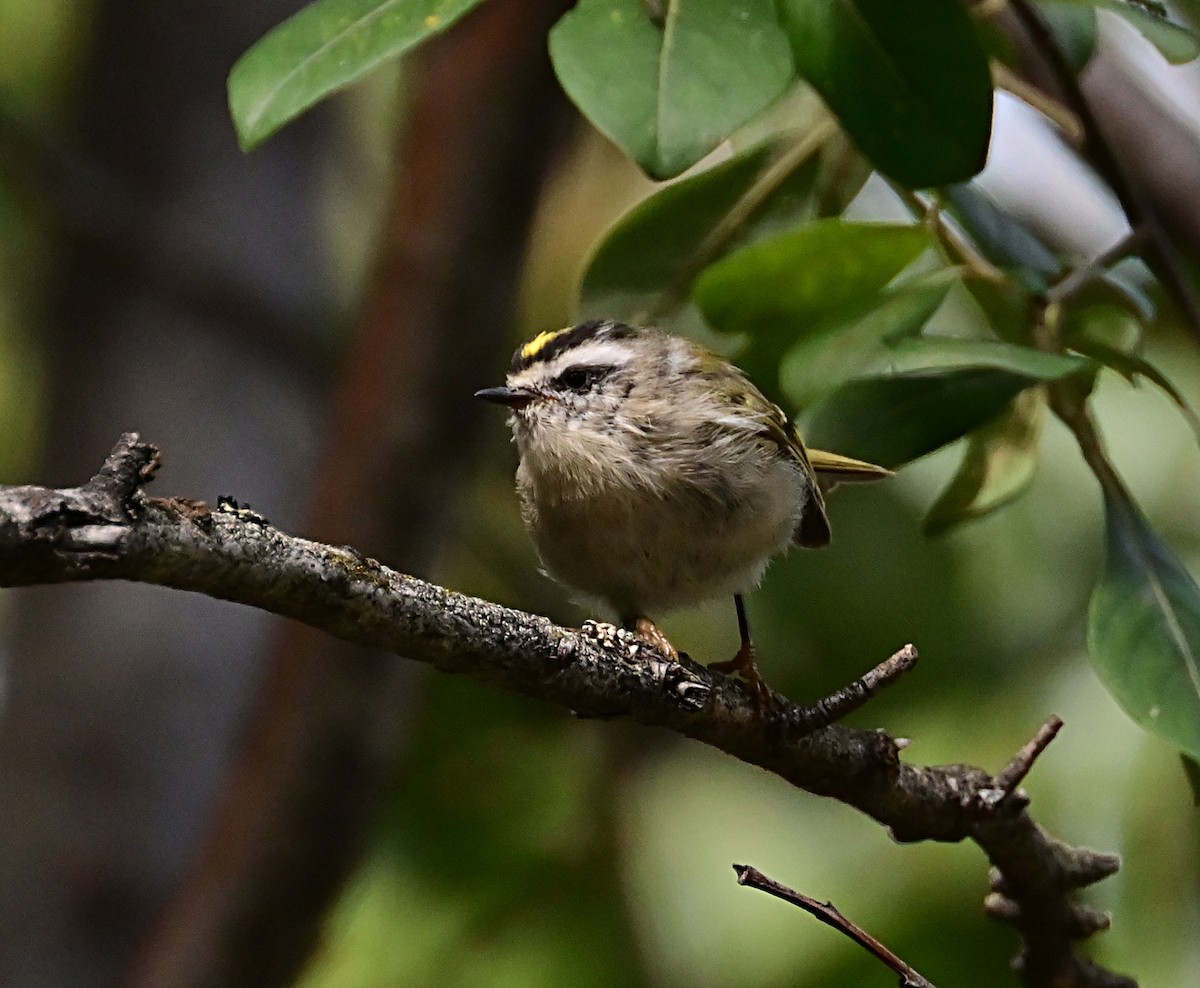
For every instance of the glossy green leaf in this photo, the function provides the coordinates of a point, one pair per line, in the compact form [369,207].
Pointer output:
[645,265]
[1176,42]
[325,47]
[821,362]
[826,271]
[908,79]
[998,466]
[893,420]
[935,352]
[668,93]
[1144,627]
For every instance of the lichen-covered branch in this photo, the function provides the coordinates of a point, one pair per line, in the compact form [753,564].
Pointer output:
[108,529]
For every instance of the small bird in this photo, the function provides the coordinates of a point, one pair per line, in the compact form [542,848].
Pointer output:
[654,475]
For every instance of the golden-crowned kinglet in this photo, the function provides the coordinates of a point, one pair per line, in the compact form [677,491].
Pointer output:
[654,475]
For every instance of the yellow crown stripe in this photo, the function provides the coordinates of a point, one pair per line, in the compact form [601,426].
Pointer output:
[538,343]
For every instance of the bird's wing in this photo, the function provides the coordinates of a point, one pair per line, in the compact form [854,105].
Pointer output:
[813,531]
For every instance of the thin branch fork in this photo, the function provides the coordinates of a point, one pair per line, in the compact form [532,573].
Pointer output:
[830,915]
[108,529]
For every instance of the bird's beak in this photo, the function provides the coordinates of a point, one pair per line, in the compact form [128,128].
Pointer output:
[512,397]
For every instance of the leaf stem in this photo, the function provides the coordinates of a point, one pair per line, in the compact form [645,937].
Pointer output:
[957,243]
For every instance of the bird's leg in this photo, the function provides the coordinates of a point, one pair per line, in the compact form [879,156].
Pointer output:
[743,663]
[651,634]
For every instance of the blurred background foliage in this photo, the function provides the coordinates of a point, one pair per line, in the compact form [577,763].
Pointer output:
[518,846]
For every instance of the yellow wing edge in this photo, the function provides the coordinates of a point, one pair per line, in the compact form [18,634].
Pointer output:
[833,468]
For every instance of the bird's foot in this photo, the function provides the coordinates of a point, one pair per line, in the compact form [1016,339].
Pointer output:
[652,635]
[743,664]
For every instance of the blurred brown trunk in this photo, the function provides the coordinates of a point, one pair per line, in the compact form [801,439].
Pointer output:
[481,131]
[187,306]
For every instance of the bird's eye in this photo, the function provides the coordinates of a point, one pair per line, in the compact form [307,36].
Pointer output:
[578,378]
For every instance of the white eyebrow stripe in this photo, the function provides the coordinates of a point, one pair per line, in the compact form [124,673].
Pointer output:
[594,353]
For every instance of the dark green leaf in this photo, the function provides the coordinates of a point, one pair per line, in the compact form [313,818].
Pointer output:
[998,466]
[668,94]
[1176,43]
[893,420]
[950,387]
[908,79]
[1144,627]
[1191,770]
[1002,238]
[821,362]
[326,46]
[646,264]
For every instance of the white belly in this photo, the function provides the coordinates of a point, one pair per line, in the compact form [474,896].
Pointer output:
[646,554]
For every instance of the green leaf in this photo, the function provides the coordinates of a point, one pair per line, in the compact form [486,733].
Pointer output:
[1074,26]
[668,94]
[998,466]
[325,47]
[821,362]
[825,271]
[908,79]
[934,352]
[645,265]
[893,420]
[1144,626]
[1004,240]
[800,284]
[1176,43]
[1133,368]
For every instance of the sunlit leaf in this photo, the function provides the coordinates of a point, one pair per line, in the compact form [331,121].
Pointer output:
[998,466]
[659,247]
[667,92]
[821,362]
[1144,626]
[908,79]
[325,47]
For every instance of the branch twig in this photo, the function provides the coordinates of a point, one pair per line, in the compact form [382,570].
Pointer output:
[1016,770]
[106,530]
[830,915]
[1139,210]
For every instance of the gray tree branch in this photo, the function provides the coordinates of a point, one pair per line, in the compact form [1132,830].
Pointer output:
[108,529]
